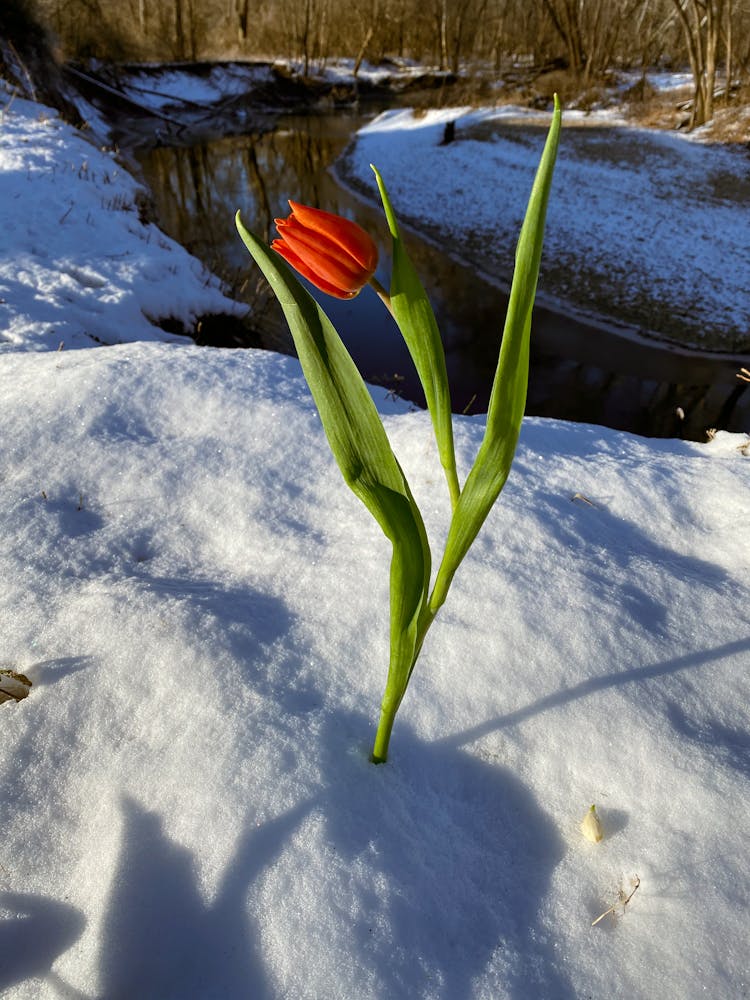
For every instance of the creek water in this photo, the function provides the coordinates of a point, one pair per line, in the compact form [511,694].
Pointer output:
[580,370]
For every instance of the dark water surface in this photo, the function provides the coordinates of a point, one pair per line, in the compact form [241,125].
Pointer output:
[579,371]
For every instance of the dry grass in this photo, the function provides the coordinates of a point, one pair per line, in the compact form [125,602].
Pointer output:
[641,103]
[670,110]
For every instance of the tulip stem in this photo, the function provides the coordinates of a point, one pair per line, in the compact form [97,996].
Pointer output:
[382,294]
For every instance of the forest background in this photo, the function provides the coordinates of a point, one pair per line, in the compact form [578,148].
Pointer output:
[576,42]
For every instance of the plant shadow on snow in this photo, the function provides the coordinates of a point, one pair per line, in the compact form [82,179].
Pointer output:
[48,672]
[602,543]
[38,932]
[458,860]
[467,856]
[74,519]
[620,559]
[246,624]
[593,684]
[247,618]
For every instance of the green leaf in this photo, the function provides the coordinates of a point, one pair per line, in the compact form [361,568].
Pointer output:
[361,448]
[508,398]
[416,320]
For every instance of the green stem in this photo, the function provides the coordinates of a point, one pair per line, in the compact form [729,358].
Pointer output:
[440,588]
[390,705]
[382,294]
[453,487]
[388,709]
[383,735]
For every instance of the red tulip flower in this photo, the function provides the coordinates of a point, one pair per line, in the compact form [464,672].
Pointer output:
[340,258]
[336,255]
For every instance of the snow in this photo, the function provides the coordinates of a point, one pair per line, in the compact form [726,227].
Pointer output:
[643,225]
[665,80]
[187,805]
[77,264]
[159,88]
[341,70]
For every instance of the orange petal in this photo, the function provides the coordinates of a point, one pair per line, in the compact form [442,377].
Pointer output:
[299,265]
[316,242]
[333,267]
[343,232]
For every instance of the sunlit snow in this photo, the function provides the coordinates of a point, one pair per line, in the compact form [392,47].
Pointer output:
[643,224]
[187,806]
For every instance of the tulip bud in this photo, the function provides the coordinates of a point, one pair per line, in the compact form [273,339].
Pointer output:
[591,826]
[335,254]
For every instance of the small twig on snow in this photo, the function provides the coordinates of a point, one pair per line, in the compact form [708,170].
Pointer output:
[622,901]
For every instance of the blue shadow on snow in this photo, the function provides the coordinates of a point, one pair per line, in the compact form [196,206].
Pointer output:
[33,937]
[466,855]
[161,940]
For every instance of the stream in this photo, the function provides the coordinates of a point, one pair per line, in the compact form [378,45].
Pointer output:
[580,370]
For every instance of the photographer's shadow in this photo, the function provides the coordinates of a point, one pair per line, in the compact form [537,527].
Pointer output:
[39,930]
[162,940]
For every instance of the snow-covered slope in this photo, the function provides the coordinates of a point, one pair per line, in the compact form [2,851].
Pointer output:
[186,803]
[77,265]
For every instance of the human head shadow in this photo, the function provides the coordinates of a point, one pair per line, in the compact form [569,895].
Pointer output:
[31,940]
[466,854]
[162,940]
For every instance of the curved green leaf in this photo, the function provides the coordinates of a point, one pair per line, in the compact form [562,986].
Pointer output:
[508,398]
[416,320]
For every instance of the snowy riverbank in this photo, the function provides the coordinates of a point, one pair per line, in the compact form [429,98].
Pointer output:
[78,267]
[646,228]
[187,808]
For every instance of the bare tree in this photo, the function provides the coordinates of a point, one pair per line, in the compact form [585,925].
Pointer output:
[593,35]
[590,30]
[367,17]
[565,16]
[701,22]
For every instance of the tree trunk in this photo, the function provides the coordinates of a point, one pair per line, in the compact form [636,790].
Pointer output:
[442,34]
[728,48]
[306,37]
[362,51]
[701,23]
[243,17]
[565,17]
[179,30]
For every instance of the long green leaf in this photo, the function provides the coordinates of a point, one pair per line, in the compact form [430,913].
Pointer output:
[508,397]
[416,320]
[361,448]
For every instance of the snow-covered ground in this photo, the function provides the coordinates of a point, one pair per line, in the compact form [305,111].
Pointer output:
[186,806]
[392,72]
[77,265]
[645,226]
[175,86]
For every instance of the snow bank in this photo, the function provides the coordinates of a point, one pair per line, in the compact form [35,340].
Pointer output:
[156,87]
[643,226]
[201,605]
[78,266]
[186,804]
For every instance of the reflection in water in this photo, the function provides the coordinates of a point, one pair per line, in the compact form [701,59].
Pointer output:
[578,371]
